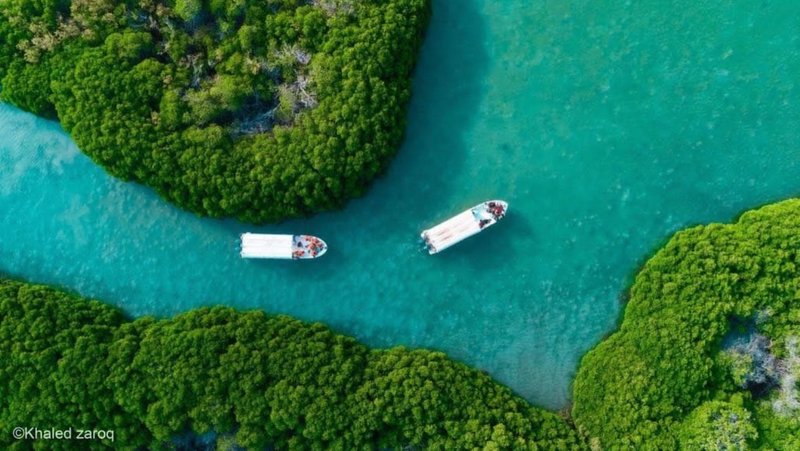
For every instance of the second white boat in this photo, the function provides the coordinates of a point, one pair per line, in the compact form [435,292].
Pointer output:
[464,225]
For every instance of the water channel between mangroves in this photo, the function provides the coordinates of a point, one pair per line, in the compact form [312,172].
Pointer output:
[606,125]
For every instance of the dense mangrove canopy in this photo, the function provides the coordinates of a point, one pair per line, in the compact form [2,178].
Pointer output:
[254,379]
[708,353]
[261,110]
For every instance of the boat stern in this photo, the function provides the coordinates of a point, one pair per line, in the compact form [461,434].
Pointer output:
[426,241]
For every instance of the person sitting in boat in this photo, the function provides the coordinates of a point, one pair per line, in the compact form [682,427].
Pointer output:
[496,210]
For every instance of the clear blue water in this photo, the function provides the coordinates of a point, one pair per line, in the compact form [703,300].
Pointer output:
[607,127]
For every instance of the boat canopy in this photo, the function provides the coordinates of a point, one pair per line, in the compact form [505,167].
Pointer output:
[256,245]
[452,231]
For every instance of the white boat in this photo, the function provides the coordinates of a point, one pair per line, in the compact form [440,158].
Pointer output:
[287,247]
[464,225]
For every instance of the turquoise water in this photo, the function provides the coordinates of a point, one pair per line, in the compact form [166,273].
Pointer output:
[607,127]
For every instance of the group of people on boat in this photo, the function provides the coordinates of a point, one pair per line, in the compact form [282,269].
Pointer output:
[306,245]
[496,209]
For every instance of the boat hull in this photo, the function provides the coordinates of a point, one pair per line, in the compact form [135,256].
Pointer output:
[464,225]
[281,247]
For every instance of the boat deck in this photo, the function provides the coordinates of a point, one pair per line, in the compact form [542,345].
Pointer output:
[463,225]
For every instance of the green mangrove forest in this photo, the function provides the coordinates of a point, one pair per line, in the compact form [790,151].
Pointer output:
[257,380]
[708,352]
[707,357]
[260,110]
